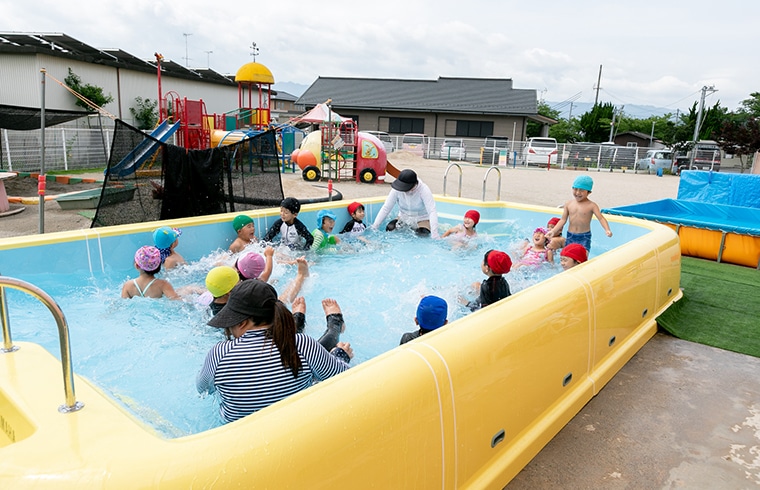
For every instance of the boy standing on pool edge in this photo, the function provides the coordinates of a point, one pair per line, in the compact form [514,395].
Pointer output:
[578,213]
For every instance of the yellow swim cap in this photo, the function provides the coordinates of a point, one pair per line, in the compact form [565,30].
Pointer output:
[220,280]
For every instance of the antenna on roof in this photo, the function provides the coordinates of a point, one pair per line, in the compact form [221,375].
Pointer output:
[254,51]
[187,59]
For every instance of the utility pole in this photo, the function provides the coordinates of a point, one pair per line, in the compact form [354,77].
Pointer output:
[187,59]
[705,89]
[598,82]
[612,124]
[254,51]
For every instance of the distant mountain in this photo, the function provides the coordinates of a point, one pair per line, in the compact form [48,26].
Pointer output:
[633,111]
[293,88]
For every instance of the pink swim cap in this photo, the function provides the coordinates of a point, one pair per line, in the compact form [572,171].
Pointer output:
[251,265]
[148,258]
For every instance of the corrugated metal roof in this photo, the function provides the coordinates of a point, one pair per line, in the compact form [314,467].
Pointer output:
[455,95]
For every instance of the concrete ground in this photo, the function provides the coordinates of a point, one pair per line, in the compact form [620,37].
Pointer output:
[678,415]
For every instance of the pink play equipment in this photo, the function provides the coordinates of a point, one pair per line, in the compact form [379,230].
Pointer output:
[338,150]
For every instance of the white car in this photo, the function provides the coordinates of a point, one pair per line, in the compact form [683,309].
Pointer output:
[385,138]
[537,151]
[453,149]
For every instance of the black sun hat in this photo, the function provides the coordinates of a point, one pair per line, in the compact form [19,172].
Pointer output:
[247,299]
[405,181]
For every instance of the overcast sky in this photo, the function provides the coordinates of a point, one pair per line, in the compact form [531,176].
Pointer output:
[651,52]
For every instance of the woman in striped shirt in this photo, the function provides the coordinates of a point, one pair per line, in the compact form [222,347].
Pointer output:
[264,360]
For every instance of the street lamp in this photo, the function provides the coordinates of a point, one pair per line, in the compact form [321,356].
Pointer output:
[208,64]
[254,51]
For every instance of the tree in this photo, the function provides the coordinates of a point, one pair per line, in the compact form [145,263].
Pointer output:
[751,106]
[90,92]
[144,113]
[595,124]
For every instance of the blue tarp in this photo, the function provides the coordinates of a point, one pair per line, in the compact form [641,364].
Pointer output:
[720,188]
[733,219]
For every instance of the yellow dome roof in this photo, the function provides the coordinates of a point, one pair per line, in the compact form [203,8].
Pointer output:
[254,72]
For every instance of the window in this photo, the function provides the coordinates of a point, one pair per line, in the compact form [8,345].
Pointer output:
[474,129]
[406,125]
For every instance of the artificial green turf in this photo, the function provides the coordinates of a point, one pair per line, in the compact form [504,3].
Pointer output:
[720,306]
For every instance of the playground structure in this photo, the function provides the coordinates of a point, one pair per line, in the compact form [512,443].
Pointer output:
[339,151]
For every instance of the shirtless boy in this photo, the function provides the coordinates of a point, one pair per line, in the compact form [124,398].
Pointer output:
[578,213]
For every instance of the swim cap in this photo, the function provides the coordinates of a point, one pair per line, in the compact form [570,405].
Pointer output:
[583,182]
[575,251]
[291,204]
[251,265]
[240,221]
[148,258]
[539,230]
[552,222]
[164,237]
[325,213]
[220,280]
[473,215]
[431,312]
[499,262]
[354,206]
[405,181]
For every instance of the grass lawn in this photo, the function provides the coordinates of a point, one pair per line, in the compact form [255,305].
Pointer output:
[720,306]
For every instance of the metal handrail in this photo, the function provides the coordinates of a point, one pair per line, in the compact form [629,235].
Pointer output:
[70,405]
[498,188]
[446,174]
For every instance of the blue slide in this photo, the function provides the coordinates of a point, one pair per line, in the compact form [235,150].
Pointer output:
[130,163]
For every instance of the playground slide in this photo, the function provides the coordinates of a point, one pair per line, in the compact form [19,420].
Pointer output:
[390,169]
[144,150]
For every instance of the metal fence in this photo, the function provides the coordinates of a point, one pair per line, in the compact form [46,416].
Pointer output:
[65,149]
[70,148]
[596,156]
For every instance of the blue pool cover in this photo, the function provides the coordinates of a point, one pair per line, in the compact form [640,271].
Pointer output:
[721,217]
[720,188]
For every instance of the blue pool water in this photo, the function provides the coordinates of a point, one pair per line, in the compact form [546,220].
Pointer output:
[146,353]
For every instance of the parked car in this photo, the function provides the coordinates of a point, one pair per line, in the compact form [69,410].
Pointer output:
[706,156]
[492,148]
[385,138]
[537,151]
[416,143]
[453,149]
[656,159]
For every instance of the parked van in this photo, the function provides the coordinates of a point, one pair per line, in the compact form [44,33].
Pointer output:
[537,151]
[416,143]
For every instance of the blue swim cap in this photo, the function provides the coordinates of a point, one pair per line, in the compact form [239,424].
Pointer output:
[325,213]
[431,312]
[583,182]
[164,237]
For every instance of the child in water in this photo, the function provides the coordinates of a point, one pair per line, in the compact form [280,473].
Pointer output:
[578,213]
[323,237]
[356,223]
[166,240]
[572,255]
[536,253]
[293,233]
[494,288]
[148,262]
[466,229]
[246,233]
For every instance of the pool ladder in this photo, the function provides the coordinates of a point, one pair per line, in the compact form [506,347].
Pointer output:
[70,405]
[485,179]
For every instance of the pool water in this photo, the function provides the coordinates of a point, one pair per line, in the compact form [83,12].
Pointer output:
[146,353]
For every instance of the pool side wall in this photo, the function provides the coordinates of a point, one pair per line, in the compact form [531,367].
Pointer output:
[468,405]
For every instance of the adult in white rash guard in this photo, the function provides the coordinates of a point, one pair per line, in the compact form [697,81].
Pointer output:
[416,206]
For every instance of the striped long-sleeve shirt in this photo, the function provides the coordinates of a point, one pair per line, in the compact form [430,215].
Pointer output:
[249,375]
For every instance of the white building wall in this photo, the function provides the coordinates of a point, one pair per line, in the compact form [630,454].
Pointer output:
[20,80]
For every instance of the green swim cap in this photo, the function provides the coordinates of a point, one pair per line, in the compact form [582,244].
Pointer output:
[583,182]
[240,221]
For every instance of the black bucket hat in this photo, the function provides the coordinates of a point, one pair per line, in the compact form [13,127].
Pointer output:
[247,299]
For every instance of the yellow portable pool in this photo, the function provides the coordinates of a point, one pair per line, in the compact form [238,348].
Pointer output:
[466,406]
